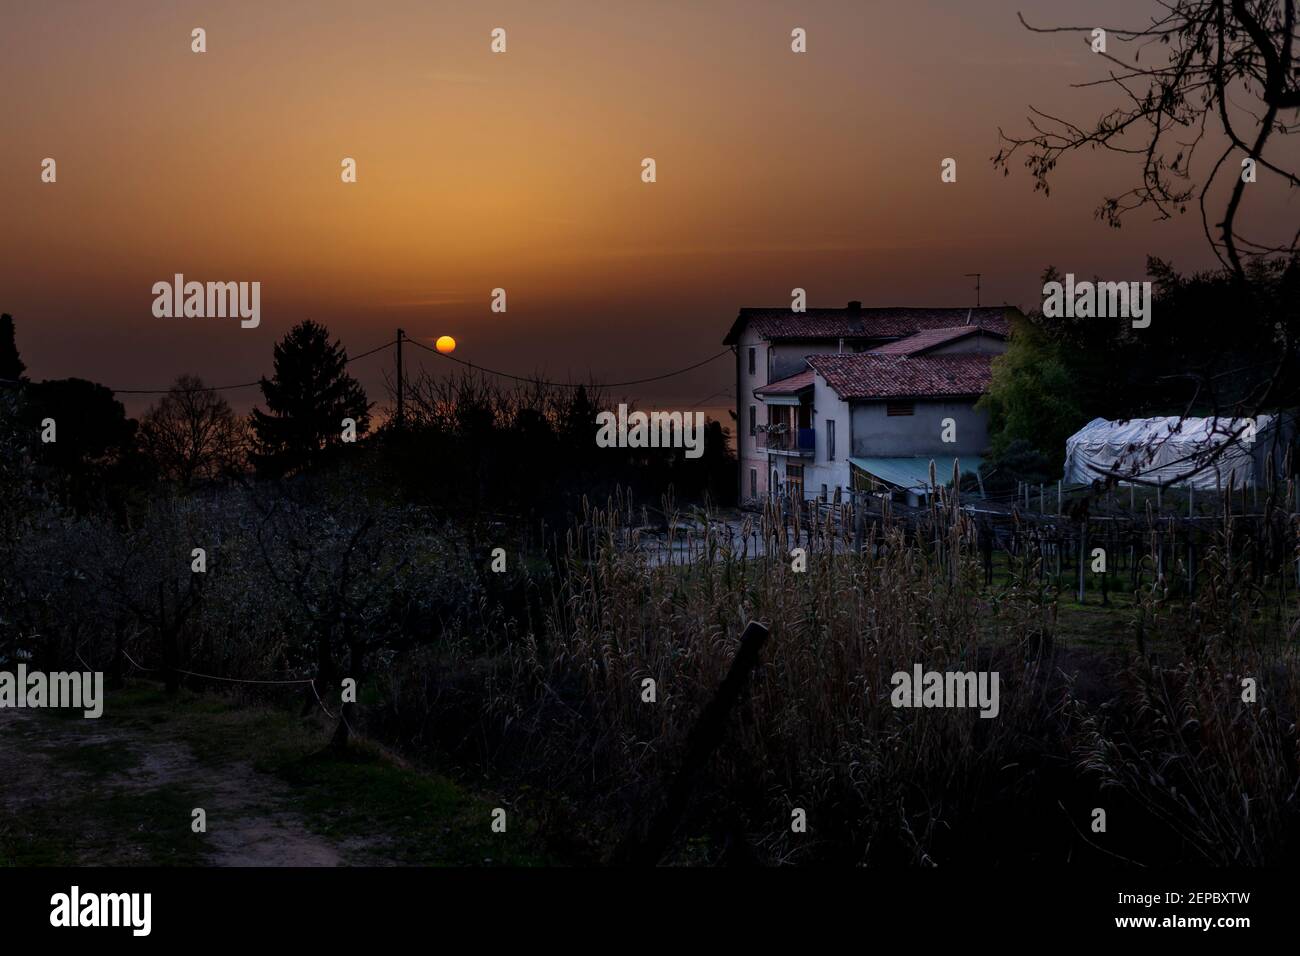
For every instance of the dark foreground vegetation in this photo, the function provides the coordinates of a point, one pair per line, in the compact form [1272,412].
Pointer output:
[521,672]
[121,791]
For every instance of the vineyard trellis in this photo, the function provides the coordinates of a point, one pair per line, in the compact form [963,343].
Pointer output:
[1106,538]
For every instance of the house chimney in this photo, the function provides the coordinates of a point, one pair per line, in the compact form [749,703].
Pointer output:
[855,307]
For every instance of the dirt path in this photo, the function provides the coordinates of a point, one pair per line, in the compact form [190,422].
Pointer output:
[101,786]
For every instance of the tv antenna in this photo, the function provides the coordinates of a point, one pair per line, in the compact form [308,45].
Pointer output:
[977,286]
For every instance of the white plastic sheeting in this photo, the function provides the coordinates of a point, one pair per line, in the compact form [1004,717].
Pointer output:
[1166,449]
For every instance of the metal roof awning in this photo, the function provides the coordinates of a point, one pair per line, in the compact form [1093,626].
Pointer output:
[914,472]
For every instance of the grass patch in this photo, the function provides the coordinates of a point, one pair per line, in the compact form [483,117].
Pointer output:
[1095,626]
[428,819]
[380,808]
[117,829]
[97,759]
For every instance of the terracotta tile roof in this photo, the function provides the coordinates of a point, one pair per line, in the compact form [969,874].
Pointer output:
[870,375]
[879,323]
[788,386]
[931,338]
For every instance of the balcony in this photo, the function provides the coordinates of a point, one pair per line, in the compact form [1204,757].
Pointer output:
[781,440]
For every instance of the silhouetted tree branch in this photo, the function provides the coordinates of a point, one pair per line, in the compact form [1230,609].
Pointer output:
[1218,50]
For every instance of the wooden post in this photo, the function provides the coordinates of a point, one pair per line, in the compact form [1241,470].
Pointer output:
[1160,548]
[1105,575]
[401,410]
[702,740]
[859,520]
[1083,554]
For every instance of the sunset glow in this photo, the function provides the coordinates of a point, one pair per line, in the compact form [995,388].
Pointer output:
[476,171]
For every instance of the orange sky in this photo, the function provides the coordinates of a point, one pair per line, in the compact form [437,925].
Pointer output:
[522,171]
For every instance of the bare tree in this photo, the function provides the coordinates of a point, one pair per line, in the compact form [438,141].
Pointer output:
[192,433]
[1229,76]
[343,569]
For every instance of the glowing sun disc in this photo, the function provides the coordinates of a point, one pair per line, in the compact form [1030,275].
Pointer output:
[445,344]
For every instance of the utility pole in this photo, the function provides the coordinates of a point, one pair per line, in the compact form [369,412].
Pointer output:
[976,276]
[401,411]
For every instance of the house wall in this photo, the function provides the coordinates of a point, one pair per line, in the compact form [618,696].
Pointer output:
[978,343]
[786,359]
[876,434]
[821,470]
[861,430]
[748,455]
[774,361]
[789,356]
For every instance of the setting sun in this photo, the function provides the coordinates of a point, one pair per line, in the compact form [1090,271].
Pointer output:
[445,344]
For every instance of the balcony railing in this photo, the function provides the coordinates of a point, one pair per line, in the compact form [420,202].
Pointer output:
[790,441]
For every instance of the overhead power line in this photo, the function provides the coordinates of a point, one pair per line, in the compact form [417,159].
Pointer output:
[415,342]
[227,388]
[534,380]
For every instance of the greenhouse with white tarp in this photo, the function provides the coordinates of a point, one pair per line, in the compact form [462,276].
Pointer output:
[1201,452]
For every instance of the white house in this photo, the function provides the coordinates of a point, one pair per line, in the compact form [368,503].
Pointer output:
[836,399]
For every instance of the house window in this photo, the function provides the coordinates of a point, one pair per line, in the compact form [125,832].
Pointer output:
[830,439]
[753,419]
[753,354]
[753,482]
[900,408]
